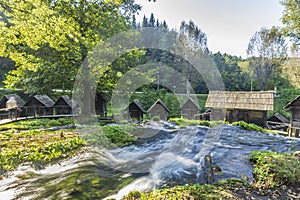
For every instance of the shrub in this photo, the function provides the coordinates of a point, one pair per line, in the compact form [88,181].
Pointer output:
[247,126]
[52,123]
[65,121]
[274,169]
[111,136]
[155,118]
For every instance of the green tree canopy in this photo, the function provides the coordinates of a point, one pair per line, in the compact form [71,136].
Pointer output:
[291,19]
[48,40]
[267,50]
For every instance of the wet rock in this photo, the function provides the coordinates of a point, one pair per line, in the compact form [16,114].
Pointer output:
[283,187]
[296,154]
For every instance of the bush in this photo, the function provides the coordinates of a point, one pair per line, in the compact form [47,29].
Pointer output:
[52,123]
[273,169]
[247,126]
[155,118]
[111,136]
[65,121]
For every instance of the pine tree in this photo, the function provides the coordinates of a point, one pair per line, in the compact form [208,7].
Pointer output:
[152,20]
[133,23]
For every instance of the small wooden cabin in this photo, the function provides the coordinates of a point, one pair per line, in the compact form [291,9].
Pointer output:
[190,109]
[159,109]
[64,105]
[7,110]
[294,106]
[277,122]
[278,118]
[39,105]
[101,105]
[136,110]
[250,107]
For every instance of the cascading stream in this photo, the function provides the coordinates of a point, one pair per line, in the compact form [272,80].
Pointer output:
[169,157]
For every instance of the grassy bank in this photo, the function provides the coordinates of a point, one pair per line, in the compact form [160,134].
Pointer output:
[29,141]
[277,177]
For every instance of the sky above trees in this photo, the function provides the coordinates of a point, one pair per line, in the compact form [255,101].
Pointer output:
[229,25]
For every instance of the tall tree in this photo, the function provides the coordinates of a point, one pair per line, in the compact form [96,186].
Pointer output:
[49,40]
[267,50]
[151,20]
[196,38]
[291,68]
[145,21]
[291,19]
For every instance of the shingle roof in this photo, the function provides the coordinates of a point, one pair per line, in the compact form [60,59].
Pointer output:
[193,102]
[263,100]
[66,99]
[292,102]
[20,102]
[139,105]
[44,99]
[161,103]
[278,116]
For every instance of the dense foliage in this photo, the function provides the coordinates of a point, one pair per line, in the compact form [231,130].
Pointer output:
[247,126]
[274,169]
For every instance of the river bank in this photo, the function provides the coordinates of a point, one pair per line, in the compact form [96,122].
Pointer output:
[157,155]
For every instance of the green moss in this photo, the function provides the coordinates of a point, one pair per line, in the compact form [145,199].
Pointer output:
[36,146]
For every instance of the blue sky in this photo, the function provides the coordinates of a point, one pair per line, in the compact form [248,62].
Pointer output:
[228,24]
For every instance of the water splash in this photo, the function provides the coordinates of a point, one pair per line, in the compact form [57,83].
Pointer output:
[168,158]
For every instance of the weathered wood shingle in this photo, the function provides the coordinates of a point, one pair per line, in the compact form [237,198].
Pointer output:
[263,100]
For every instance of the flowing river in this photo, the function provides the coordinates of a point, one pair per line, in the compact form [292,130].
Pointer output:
[163,156]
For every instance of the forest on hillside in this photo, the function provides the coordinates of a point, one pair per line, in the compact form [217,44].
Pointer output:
[45,43]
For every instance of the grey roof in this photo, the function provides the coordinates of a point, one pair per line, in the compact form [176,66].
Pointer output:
[263,100]
[44,99]
[193,102]
[161,103]
[292,102]
[139,105]
[20,102]
[66,99]
[280,117]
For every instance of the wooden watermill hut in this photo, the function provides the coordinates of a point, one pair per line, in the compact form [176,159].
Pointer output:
[250,107]
[39,105]
[190,109]
[159,109]
[136,110]
[64,106]
[11,105]
[101,104]
[294,106]
[277,122]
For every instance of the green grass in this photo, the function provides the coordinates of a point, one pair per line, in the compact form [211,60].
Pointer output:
[31,124]
[45,146]
[36,146]
[181,192]
[187,122]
